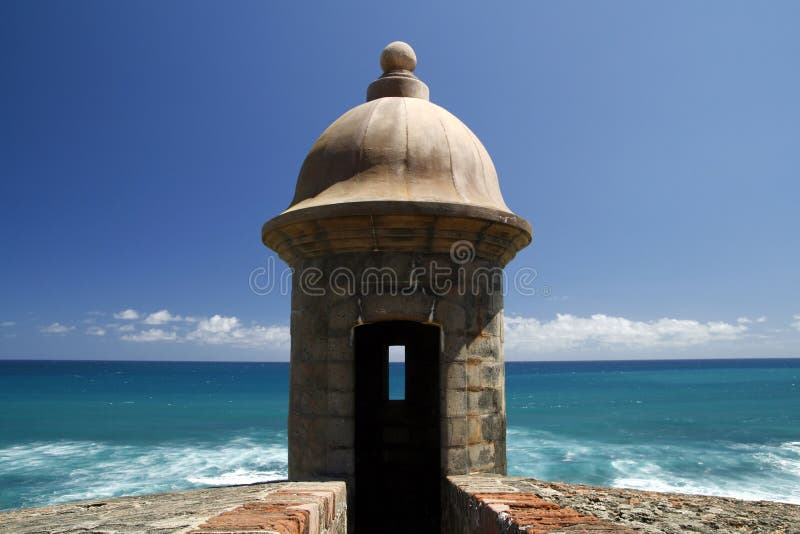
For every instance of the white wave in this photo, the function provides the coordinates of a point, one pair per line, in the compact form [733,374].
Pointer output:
[743,471]
[786,457]
[76,470]
[754,487]
[238,476]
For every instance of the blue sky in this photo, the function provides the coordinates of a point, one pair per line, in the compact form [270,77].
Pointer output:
[655,147]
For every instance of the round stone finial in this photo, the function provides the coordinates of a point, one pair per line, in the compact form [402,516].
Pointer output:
[398,55]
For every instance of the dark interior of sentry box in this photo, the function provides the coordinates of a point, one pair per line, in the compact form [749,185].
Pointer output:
[397,442]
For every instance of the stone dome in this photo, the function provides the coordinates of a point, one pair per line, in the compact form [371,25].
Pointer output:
[401,149]
[398,154]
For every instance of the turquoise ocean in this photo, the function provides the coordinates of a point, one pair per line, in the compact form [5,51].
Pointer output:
[85,429]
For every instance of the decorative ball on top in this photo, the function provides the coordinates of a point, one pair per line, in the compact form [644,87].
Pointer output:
[398,56]
[401,157]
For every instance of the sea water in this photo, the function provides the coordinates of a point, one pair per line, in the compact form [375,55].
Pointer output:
[77,430]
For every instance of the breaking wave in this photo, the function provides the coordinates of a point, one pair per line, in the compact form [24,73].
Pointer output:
[743,471]
[73,470]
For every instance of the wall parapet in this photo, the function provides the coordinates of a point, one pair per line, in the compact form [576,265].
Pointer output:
[272,508]
[479,504]
[493,504]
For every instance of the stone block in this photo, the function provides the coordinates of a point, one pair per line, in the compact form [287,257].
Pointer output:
[450,313]
[308,374]
[303,324]
[341,376]
[483,318]
[474,374]
[492,375]
[340,348]
[491,401]
[455,347]
[340,432]
[481,457]
[483,402]
[455,403]
[343,317]
[455,375]
[485,347]
[493,427]
[312,349]
[340,462]
[454,461]
[500,464]
[341,403]
[313,402]
[494,325]
[475,429]
[454,431]
[387,307]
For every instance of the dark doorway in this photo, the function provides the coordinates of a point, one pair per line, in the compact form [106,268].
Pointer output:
[398,467]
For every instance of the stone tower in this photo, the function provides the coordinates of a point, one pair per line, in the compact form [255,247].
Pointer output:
[397,235]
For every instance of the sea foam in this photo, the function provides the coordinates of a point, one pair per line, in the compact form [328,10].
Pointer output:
[743,471]
[74,470]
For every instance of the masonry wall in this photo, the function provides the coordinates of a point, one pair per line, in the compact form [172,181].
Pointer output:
[356,289]
[273,508]
[479,504]
[491,504]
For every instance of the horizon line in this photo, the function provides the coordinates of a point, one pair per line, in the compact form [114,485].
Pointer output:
[727,358]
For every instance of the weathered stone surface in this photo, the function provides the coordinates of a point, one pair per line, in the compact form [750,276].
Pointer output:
[388,172]
[488,503]
[493,427]
[482,456]
[341,377]
[323,365]
[273,507]
[474,427]
[340,349]
[340,432]
[455,376]
[453,431]
[341,462]
[472,504]
[454,460]
[297,508]
[456,405]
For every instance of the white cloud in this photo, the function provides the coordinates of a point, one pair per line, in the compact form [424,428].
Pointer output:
[7,324]
[162,317]
[220,330]
[95,331]
[57,328]
[570,332]
[128,314]
[796,323]
[747,320]
[153,334]
[126,328]
[215,330]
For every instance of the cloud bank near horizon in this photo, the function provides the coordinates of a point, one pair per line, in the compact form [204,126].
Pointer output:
[600,331]
[566,334]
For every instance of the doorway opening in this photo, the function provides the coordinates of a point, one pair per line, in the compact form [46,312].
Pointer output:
[397,441]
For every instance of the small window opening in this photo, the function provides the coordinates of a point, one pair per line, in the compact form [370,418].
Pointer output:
[397,372]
